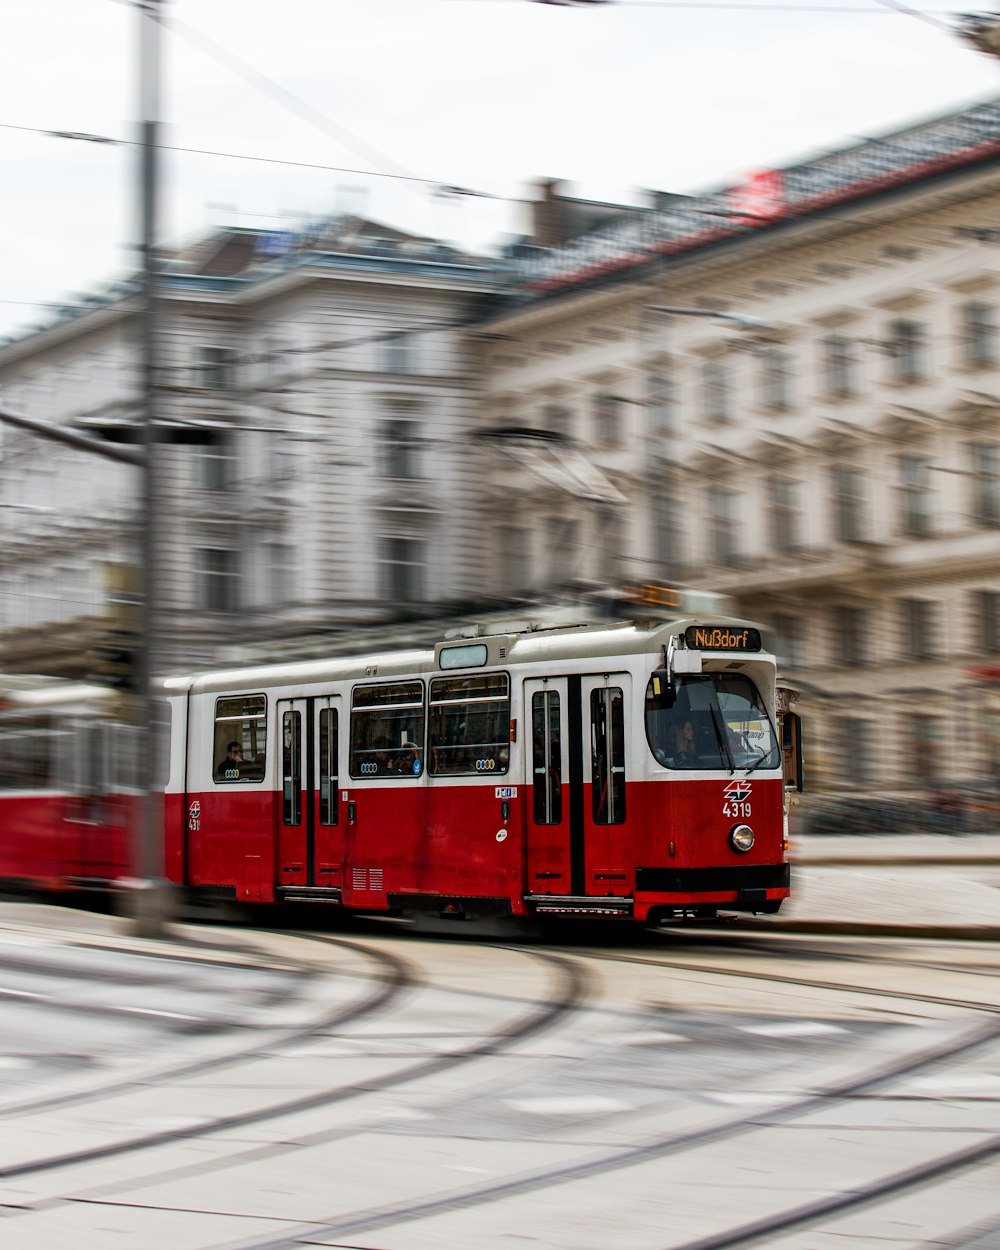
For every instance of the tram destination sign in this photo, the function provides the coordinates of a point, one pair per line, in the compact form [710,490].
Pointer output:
[722,638]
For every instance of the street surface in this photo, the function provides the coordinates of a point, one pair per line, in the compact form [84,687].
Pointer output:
[365,1086]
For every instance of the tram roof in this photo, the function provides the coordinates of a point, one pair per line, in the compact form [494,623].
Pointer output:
[528,644]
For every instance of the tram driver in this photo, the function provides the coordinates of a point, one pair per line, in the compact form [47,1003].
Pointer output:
[681,743]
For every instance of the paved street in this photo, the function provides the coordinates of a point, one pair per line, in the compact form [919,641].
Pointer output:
[230,1089]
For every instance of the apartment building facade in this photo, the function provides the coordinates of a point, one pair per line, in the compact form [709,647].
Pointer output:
[788,393]
[814,430]
[316,396]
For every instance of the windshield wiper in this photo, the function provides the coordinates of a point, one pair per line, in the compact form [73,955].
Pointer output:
[764,755]
[722,733]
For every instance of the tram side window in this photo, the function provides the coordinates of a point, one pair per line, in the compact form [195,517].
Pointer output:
[546,756]
[27,754]
[291,768]
[328,747]
[607,721]
[470,724]
[240,739]
[387,730]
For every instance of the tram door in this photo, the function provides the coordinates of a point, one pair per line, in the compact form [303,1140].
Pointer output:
[309,838]
[576,807]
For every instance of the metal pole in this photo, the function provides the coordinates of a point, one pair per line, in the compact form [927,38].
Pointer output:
[72,438]
[148,889]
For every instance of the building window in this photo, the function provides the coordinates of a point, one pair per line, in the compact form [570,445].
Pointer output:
[916,628]
[776,379]
[854,749]
[667,535]
[661,401]
[908,351]
[979,334]
[556,420]
[219,577]
[216,465]
[986,483]
[914,496]
[790,643]
[561,546]
[403,563]
[851,636]
[399,449]
[279,559]
[841,367]
[515,573]
[784,513]
[215,368]
[717,393]
[399,353]
[610,539]
[923,742]
[850,505]
[608,421]
[987,616]
[723,506]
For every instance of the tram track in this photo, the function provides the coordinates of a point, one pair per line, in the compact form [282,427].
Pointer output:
[564,996]
[373,1219]
[395,977]
[267,1039]
[807,982]
[569,984]
[352,1224]
[811,1213]
[846,948]
[64,1003]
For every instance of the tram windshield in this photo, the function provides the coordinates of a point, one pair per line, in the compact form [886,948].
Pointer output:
[713,720]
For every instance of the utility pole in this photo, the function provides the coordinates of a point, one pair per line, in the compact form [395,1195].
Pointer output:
[147,899]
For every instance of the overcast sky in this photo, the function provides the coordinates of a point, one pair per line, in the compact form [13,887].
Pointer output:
[484,94]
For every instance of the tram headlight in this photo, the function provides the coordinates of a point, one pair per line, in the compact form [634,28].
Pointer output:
[741,838]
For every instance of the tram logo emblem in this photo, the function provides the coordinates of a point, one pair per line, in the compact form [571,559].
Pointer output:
[194,816]
[737,791]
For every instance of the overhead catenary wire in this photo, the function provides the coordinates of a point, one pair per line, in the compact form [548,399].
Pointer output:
[437,186]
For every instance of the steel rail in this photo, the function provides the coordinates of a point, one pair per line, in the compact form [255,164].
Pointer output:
[566,997]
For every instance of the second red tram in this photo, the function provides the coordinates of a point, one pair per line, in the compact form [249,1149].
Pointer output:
[631,770]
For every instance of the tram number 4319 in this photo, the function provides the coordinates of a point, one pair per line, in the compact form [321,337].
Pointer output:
[736,810]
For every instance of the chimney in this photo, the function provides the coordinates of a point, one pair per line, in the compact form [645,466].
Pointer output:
[549,218]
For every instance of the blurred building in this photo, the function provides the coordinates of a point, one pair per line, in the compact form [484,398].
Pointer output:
[316,394]
[787,391]
[835,469]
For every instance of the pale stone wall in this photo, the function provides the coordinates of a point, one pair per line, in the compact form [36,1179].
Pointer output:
[919,716]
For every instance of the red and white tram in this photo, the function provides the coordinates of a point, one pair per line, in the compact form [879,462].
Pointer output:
[632,770]
[67,784]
